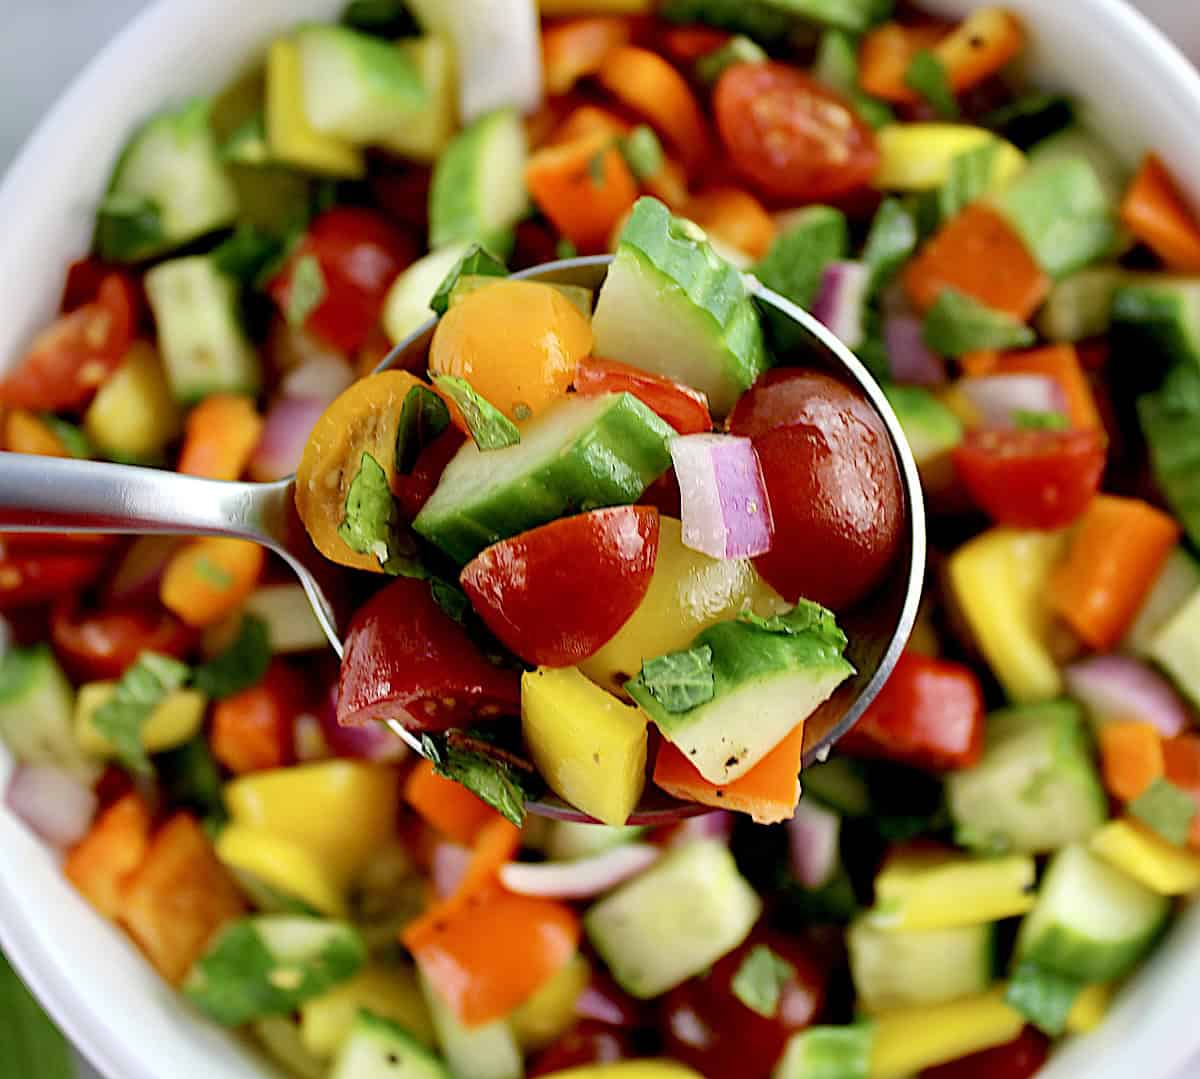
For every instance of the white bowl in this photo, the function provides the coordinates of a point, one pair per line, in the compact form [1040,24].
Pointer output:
[1140,93]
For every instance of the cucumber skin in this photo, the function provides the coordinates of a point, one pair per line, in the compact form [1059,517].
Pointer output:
[1157,314]
[375,1039]
[609,464]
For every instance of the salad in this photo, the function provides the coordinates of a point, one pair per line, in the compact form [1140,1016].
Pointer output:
[608,541]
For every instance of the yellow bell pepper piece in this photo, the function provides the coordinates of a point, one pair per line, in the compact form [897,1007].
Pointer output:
[917,157]
[1090,1007]
[341,811]
[134,413]
[936,890]
[629,1069]
[999,581]
[177,719]
[258,857]
[546,1015]
[910,1039]
[1160,866]
[390,991]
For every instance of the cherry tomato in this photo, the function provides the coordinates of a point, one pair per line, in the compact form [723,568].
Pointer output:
[69,360]
[664,495]
[402,193]
[686,44]
[792,137]
[929,714]
[84,278]
[706,1026]
[536,242]
[587,1042]
[1031,478]
[1021,1058]
[252,730]
[27,579]
[413,490]
[556,594]
[406,659]
[359,254]
[682,407]
[95,645]
[833,483]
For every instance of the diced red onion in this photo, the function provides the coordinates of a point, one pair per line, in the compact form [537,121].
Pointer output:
[841,298]
[910,360]
[289,422]
[141,568]
[813,834]
[726,513]
[371,741]
[290,347]
[581,878]
[55,805]
[448,866]
[308,739]
[999,398]
[321,378]
[1116,688]
[6,637]
[606,1002]
[715,825]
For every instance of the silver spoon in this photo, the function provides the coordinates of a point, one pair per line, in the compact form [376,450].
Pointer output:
[44,494]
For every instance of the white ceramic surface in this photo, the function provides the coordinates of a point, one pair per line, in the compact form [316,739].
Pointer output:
[1141,93]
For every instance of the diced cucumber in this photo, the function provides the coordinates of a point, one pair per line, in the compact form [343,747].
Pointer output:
[581,454]
[381,1049]
[36,711]
[406,308]
[827,1053]
[1091,922]
[1176,648]
[288,616]
[356,87]
[425,134]
[1177,582]
[199,329]
[674,920]
[567,840]
[133,415]
[478,189]
[839,784]
[1080,142]
[1159,313]
[1170,421]
[1080,305]
[931,428]
[280,1037]
[248,144]
[389,989]
[672,306]
[926,966]
[168,187]
[1036,787]
[483,1052]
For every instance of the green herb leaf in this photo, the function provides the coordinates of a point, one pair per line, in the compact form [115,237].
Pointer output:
[680,681]
[477,262]
[1044,997]
[306,290]
[927,75]
[30,1044]
[970,179]
[389,19]
[1028,420]
[488,778]
[564,249]
[247,253]
[739,49]
[372,523]
[240,666]
[450,598]
[760,19]
[141,689]
[423,417]
[760,979]
[890,242]
[129,228]
[958,323]
[1166,809]
[805,617]
[190,778]
[489,427]
[642,151]
[73,438]
[1031,117]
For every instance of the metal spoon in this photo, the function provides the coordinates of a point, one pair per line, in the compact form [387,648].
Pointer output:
[43,494]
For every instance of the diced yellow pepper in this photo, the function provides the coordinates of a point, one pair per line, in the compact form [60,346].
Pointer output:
[546,1015]
[134,413]
[1149,859]
[292,139]
[999,581]
[935,890]
[426,134]
[1090,1007]
[911,1039]
[257,857]
[589,747]
[596,7]
[389,990]
[917,157]
[177,718]
[341,811]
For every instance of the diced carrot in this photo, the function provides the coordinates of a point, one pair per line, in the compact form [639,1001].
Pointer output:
[220,436]
[768,792]
[25,432]
[978,252]
[1061,363]
[445,805]
[178,898]
[1155,211]
[649,85]
[668,185]
[114,847]
[1131,758]
[686,44]
[208,579]
[979,363]
[1118,548]
[734,217]
[885,55]
[584,188]
[586,122]
[578,47]
[254,730]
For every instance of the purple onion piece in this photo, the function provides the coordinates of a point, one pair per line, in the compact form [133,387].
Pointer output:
[52,802]
[813,836]
[1120,688]
[723,498]
[910,360]
[581,878]
[448,866]
[290,420]
[841,300]
[1000,398]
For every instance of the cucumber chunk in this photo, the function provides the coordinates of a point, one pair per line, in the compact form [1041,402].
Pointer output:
[931,428]
[426,133]
[1170,420]
[381,1049]
[484,1052]
[37,707]
[1159,313]
[1176,648]
[839,783]
[168,188]
[581,454]
[1091,921]
[674,920]
[672,306]
[827,1053]
[1036,788]
[1080,305]
[1177,582]
[203,345]
[406,308]
[1080,142]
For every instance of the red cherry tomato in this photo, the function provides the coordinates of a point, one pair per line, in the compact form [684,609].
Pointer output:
[789,135]
[682,407]
[664,495]
[587,1042]
[1021,1058]
[413,490]
[833,483]
[706,1026]
[95,645]
[253,730]
[929,714]
[27,579]
[406,659]
[1031,478]
[556,594]
[69,360]
[359,253]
